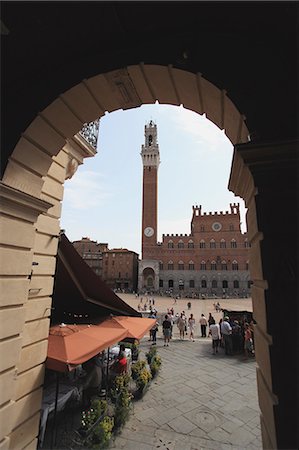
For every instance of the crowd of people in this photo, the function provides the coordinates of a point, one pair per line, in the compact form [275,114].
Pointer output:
[235,337]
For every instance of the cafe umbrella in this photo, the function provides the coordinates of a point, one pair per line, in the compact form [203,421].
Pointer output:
[71,345]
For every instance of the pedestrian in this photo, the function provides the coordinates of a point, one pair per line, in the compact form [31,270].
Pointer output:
[166,327]
[181,323]
[247,340]
[226,331]
[171,320]
[203,325]
[191,325]
[154,330]
[215,333]
[210,319]
[237,339]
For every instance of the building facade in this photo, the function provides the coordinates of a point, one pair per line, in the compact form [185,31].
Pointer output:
[92,253]
[120,269]
[117,267]
[213,260]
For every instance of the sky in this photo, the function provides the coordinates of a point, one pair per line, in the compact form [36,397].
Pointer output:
[103,200]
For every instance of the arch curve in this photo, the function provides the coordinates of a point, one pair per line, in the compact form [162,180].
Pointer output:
[125,88]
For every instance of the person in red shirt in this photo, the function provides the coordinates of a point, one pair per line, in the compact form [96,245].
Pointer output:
[119,366]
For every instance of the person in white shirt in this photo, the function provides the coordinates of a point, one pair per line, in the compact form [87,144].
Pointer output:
[215,333]
[191,325]
[203,325]
[226,331]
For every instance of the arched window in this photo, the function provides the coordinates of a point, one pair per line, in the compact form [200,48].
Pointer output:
[191,265]
[181,244]
[224,284]
[247,265]
[236,284]
[202,244]
[202,228]
[223,265]
[191,283]
[161,265]
[190,244]
[203,283]
[213,265]
[170,265]
[203,265]
[212,243]
[181,265]
[233,243]
[170,244]
[235,265]
[246,243]
[222,243]
[170,283]
[160,283]
[214,284]
[231,227]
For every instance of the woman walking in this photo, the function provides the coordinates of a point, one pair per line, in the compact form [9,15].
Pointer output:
[191,324]
[181,323]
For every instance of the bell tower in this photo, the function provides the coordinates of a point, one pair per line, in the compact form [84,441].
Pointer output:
[150,159]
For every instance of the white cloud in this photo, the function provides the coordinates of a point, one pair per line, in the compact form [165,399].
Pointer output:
[85,191]
[205,133]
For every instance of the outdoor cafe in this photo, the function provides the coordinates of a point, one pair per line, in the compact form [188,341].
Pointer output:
[88,322]
[74,352]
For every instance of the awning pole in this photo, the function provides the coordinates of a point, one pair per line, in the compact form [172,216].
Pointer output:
[53,440]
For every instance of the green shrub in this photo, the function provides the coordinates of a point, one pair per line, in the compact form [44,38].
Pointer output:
[101,434]
[155,365]
[90,416]
[150,354]
[143,378]
[137,367]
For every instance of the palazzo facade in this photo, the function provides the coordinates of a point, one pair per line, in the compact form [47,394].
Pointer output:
[213,260]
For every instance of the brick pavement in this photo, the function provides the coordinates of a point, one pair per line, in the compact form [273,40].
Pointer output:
[197,401]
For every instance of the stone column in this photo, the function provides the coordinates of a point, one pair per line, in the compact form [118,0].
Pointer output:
[265,176]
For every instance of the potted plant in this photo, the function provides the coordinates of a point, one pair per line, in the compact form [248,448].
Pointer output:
[137,367]
[142,382]
[151,354]
[155,365]
[121,398]
[96,425]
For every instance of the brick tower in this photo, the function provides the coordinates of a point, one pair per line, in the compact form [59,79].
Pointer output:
[150,159]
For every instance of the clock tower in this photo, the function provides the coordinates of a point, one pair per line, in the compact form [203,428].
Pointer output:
[150,159]
[148,278]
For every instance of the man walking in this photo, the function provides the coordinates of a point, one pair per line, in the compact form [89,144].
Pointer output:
[203,326]
[226,331]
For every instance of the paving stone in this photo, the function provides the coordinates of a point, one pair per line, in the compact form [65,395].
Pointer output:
[181,425]
[241,437]
[147,413]
[188,406]
[167,416]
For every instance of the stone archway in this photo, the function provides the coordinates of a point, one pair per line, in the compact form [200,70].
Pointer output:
[32,187]
[148,279]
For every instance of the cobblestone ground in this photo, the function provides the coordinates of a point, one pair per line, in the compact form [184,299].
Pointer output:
[199,400]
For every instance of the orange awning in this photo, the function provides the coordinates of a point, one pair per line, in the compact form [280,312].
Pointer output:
[71,345]
[136,327]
